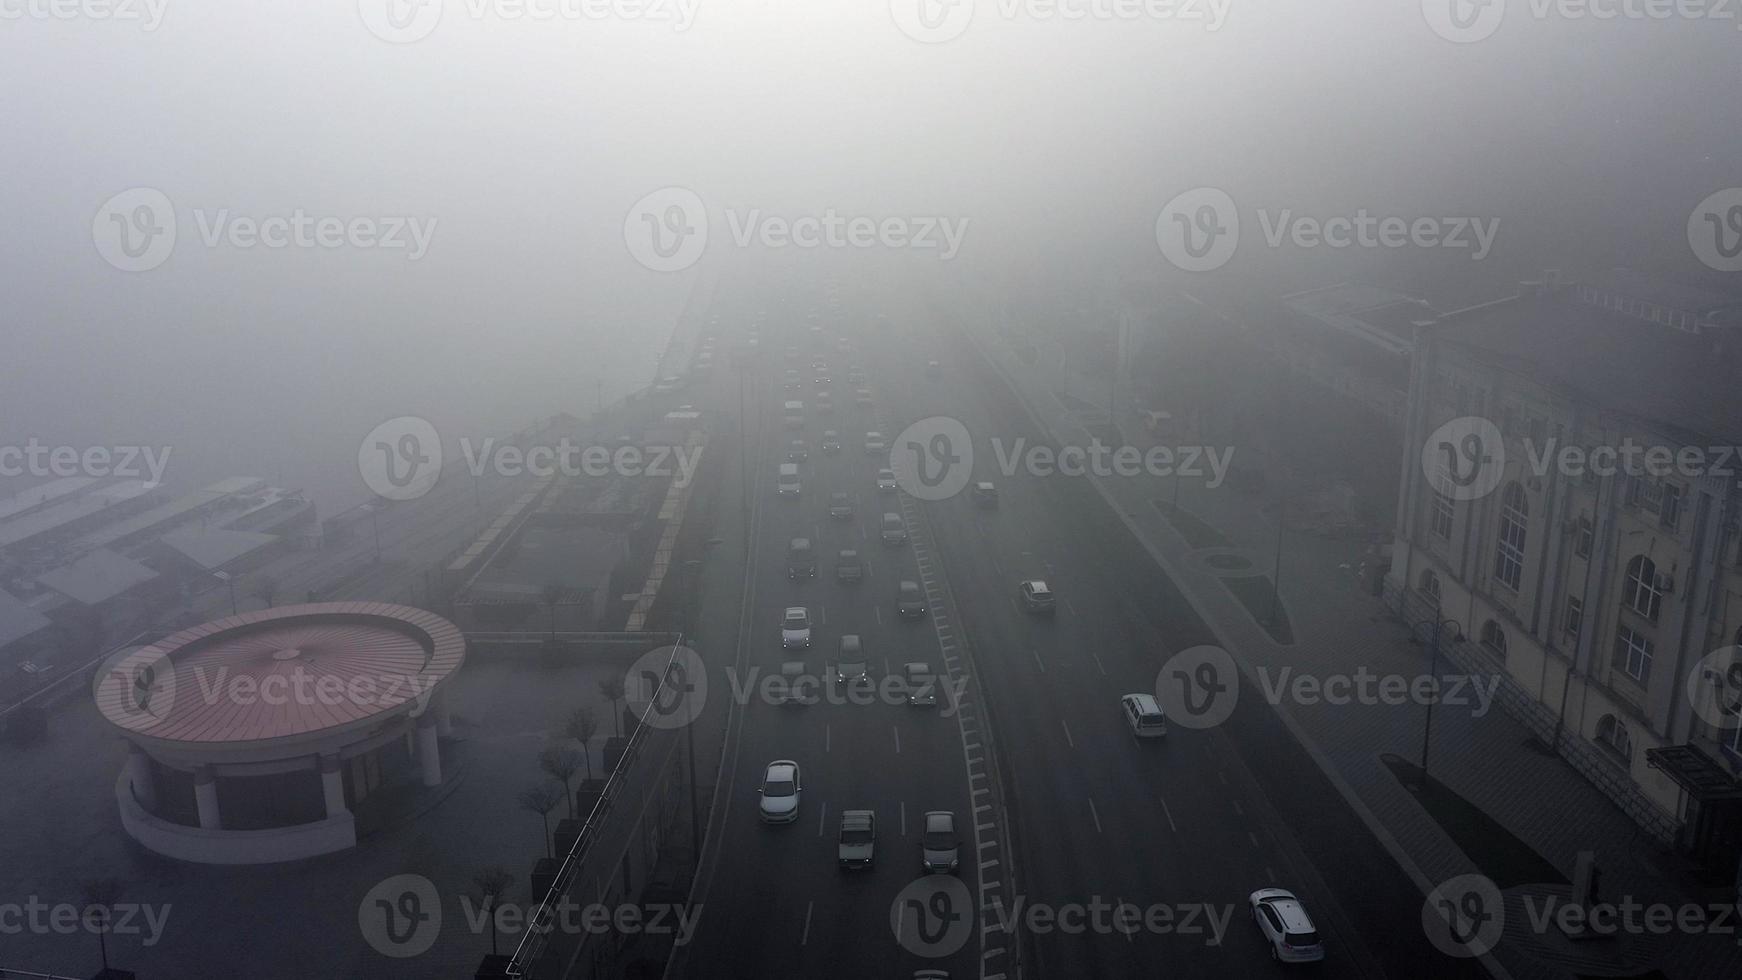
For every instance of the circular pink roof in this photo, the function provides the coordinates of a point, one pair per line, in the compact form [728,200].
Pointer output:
[281,673]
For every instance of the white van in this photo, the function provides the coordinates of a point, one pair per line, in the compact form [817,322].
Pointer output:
[788,484]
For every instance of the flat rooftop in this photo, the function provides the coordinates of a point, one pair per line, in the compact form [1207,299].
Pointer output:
[40,522]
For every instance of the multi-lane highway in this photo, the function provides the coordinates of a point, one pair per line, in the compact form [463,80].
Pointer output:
[1176,831]
[777,903]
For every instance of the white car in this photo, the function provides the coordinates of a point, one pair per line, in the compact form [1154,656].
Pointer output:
[780,792]
[886,480]
[795,628]
[1286,926]
[874,443]
[1144,715]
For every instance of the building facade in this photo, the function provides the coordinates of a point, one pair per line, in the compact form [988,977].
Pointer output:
[1568,517]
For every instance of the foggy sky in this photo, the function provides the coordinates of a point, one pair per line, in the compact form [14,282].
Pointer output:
[527,142]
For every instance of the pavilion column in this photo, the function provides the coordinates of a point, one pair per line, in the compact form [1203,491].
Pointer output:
[206,798]
[333,785]
[139,775]
[429,750]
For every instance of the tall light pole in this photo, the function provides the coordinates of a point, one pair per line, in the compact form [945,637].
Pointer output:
[1433,671]
[1276,562]
[229,580]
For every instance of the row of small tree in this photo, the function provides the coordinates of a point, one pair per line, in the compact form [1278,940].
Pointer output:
[562,758]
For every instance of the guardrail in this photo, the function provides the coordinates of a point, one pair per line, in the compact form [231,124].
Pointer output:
[538,953]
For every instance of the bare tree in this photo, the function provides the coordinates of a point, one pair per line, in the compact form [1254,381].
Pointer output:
[99,896]
[266,589]
[488,886]
[612,689]
[583,724]
[542,799]
[561,762]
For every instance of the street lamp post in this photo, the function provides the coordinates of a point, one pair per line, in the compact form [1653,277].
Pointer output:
[229,580]
[1433,671]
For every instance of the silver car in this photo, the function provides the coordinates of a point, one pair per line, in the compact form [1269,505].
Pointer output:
[795,628]
[940,849]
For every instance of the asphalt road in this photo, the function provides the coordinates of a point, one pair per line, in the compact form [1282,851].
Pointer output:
[1180,829]
[778,904]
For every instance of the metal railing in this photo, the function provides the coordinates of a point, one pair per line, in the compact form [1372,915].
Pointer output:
[545,952]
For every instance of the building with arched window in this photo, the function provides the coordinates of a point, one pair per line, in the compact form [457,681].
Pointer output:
[1550,498]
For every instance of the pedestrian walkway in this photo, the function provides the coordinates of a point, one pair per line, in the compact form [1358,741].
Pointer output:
[1483,754]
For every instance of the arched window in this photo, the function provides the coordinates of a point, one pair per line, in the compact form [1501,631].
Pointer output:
[1612,735]
[1494,638]
[1514,518]
[1640,592]
[1430,584]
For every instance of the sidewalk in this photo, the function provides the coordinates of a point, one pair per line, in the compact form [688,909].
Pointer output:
[1486,757]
